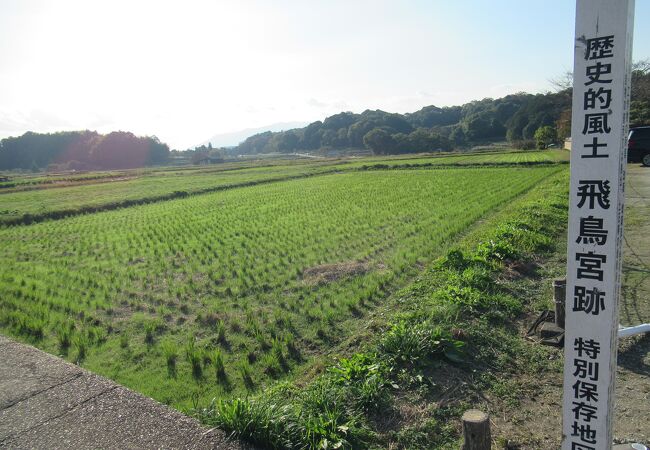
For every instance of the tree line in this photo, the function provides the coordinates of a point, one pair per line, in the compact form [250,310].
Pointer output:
[81,150]
[524,120]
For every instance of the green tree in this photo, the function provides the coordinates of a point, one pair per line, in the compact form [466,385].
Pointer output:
[544,136]
[379,141]
[458,136]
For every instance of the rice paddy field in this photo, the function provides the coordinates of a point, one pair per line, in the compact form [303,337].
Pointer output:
[219,294]
[25,199]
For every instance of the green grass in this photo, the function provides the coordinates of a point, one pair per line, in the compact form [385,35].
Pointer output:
[268,276]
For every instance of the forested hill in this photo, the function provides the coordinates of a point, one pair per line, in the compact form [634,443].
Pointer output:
[81,150]
[514,118]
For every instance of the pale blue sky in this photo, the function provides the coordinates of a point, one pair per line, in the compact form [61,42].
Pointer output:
[186,70]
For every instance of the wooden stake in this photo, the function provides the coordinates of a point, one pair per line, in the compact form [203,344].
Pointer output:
[559,296]
[476,430]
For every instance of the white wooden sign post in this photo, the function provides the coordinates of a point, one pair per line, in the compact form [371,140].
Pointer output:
[601,93]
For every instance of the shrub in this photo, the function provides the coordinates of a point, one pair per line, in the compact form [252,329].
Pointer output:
[544,136]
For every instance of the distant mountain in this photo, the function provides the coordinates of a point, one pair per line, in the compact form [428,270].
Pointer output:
[236,137]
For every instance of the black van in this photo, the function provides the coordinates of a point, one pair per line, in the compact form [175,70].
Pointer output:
[638,146]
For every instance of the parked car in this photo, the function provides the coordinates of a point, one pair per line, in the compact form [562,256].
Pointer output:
[638,146]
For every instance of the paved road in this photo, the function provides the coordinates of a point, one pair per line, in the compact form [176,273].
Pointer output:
[48,403]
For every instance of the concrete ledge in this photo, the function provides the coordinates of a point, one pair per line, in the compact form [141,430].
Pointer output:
[46,402]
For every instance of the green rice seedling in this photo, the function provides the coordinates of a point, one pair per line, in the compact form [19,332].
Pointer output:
[152,327]
[244,369]
[96,335]
[321,333]
[235,326]
[292,349]
[81,344]
[277,350]
[124,339]
[64,335]
[206,356]
[263,343]
[271,365]
[219,367]
[25,325]
[221,332]
[170,352]
[194,357]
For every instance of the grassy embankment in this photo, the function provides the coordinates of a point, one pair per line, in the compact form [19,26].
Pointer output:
[437,348]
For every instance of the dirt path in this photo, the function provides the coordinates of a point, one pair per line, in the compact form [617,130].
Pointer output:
[632,420]
[535,423]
